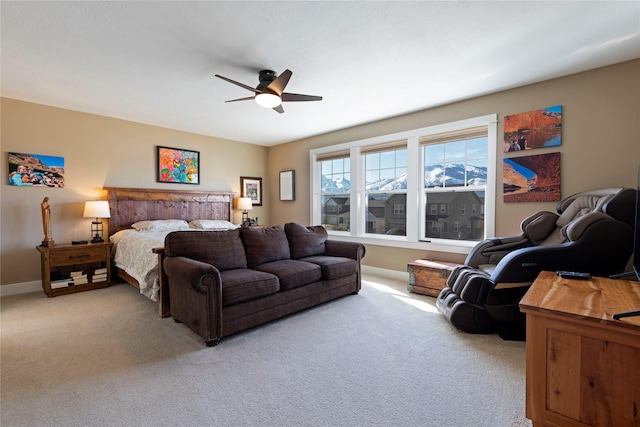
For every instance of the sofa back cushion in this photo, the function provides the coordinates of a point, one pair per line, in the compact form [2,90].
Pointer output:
[264,244]
[222,249]
[305,241]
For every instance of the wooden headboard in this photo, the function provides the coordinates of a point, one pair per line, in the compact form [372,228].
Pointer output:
[129,205]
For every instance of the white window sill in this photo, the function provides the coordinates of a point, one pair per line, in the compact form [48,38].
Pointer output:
[401,242]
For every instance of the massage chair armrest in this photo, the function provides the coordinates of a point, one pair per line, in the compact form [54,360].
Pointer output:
[603,249]
[188,272]
[491,251]
[524,265]
[351,250]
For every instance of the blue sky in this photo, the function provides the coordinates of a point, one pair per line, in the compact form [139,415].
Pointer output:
[527,173]
[50,160]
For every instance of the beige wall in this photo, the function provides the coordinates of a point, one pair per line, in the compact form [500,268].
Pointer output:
[600,148]
[98,152]
[600,145]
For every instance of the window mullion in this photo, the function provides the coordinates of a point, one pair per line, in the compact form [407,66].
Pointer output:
[414,183]
[358,210]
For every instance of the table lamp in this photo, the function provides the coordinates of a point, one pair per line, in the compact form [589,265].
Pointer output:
[245,204]
[96,209]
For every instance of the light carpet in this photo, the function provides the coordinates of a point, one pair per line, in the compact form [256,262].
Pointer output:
[383,357]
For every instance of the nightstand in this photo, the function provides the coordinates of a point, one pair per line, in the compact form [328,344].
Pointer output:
[65,267]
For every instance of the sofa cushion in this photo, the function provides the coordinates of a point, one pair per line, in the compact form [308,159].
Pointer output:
[222,249]
[264,244]
[291,273]
[333,266]
[305,241]
[242,285]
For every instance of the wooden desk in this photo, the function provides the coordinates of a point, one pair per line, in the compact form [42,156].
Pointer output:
[583,367]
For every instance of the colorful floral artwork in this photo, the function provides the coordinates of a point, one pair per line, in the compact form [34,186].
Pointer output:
[178,165]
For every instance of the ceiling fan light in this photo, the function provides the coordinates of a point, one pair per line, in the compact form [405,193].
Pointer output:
[268,100]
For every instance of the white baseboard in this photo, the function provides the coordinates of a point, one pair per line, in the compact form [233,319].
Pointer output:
[383,272]
[20,288]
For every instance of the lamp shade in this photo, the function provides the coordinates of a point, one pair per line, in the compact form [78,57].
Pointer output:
[244,203]
[96,209]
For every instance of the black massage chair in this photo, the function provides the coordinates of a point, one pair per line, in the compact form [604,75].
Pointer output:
[592,233]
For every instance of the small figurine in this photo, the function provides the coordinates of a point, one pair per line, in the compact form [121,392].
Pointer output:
[46,222]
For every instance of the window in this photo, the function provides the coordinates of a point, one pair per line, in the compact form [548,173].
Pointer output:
[335,190]
[433,186]
[456,168]
[385,188]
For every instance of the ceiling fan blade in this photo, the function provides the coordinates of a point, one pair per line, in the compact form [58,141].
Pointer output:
[280,82]
[242,85]
[249,98]
[279,109]
[290,97]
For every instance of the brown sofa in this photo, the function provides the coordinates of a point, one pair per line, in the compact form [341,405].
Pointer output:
[223,282]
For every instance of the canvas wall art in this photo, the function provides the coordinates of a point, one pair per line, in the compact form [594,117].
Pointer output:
[36,170]
[531,178]
[178,165]
[533,129]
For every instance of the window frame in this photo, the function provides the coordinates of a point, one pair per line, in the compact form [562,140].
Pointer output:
[415,202]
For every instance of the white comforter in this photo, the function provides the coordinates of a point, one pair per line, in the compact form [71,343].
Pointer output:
[133,254]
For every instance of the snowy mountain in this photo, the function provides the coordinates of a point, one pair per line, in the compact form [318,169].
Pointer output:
[335,186]
[435,176]
[454,175]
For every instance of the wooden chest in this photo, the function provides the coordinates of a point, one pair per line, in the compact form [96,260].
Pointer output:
[428,277]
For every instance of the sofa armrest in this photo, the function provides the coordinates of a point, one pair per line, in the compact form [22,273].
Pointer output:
[191,273]
[351,250]
[196,296]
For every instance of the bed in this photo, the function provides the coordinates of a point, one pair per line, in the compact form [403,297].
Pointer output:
[137,256]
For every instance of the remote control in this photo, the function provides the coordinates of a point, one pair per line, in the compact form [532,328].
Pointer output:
[573,275]
[79,242]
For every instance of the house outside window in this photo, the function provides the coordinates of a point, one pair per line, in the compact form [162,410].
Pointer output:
[410,189]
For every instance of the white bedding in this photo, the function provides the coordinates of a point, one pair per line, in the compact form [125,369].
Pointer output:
[133,254]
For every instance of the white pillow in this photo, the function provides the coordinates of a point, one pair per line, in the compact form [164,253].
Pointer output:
[161,225]
[212,224]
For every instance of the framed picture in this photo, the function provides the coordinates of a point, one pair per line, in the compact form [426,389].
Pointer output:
[177,165]
[531,178]
[251,187]
[288,185]
[533,129]
[36,170]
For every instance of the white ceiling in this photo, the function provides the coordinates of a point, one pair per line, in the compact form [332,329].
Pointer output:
[154,62]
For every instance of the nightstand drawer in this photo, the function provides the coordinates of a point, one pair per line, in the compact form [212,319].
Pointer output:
[77,257]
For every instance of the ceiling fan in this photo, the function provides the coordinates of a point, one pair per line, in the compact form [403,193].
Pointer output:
[270,91]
